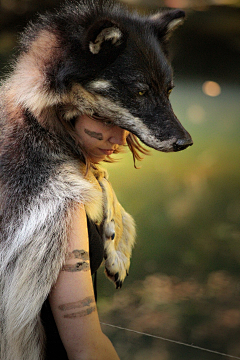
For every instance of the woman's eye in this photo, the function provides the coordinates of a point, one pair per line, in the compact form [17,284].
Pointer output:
[102,120]
[108,123]
[97,117]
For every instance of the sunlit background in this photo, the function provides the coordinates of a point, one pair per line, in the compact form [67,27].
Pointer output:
[184,277]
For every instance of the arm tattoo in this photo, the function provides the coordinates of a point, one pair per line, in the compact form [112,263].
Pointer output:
[78,304]
[78,254]
[80,313]
[79,266]
[88,303]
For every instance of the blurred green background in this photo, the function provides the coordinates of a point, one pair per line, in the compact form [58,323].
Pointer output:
[184,277]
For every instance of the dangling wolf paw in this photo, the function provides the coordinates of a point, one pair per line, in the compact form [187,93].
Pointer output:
[118,233]
[116,264]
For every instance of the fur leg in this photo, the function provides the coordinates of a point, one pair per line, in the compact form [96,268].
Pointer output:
[32,256]
[118,230]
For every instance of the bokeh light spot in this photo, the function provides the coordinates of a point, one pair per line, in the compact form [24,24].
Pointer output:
[211,88]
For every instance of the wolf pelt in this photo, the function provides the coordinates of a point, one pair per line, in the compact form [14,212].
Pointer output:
[88,57]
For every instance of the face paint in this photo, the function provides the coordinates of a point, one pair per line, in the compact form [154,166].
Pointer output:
[93,134]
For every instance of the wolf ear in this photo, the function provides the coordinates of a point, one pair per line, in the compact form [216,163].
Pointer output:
[165,22]
[103,36]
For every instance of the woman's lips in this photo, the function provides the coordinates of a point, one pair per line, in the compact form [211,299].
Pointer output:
[107,151]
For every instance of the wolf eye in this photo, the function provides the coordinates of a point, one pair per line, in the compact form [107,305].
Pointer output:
[170,89]
[141,88]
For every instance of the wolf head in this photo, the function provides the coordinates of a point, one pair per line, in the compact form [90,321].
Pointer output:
[97,58]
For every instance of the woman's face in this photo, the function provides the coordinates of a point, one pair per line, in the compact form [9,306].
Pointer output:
[98,137]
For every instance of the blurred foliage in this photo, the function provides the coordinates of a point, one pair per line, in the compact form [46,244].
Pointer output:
[184,276]
[206,314]
[208,43]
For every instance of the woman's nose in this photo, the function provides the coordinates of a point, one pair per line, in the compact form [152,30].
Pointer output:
[118,136]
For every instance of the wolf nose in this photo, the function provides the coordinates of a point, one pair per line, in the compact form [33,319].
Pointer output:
[182,144]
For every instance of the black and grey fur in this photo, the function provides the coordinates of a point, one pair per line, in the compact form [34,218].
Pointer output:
[88,57]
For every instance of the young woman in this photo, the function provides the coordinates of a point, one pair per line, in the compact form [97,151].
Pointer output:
[73,331]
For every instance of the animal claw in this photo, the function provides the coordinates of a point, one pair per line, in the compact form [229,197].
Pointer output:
[118,284]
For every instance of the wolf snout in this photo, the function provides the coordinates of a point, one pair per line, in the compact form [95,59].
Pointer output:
[182,144]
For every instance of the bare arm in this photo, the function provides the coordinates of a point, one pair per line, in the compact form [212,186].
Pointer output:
[73,304]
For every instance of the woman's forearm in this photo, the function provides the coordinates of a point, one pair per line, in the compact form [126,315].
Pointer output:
[99,349]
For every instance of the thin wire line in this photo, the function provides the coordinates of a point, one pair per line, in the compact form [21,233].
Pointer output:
[172,341]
